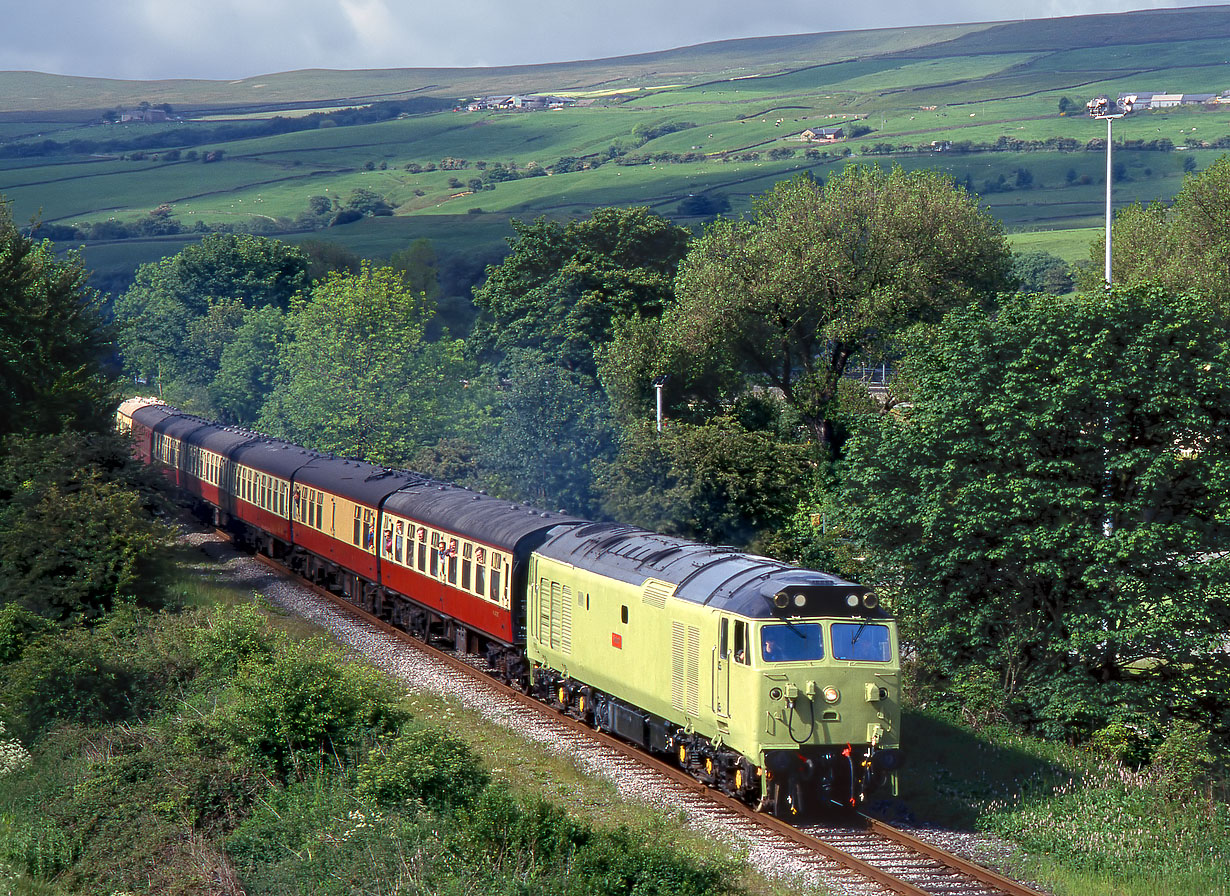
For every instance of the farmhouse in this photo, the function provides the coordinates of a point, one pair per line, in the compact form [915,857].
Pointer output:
[823,135]
[1147,100]
[517,103]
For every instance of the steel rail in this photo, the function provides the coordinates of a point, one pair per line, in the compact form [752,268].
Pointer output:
[681,778]
[978,872]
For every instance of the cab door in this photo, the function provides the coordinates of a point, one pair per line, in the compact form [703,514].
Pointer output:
[722,655]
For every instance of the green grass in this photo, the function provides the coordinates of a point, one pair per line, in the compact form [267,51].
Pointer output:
[1081,826]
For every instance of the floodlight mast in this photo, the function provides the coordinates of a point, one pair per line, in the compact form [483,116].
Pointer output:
[1103,108]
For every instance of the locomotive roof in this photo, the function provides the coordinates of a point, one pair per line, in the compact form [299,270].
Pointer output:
[719,577]
[482,517]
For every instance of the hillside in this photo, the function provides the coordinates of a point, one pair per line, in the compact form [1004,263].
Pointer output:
[691,132]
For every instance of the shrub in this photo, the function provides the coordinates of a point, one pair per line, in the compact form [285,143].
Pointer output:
[232,637]
[1120,743]
[424,764]
[305,704]
[17,628]
[1183,759]
[68,675]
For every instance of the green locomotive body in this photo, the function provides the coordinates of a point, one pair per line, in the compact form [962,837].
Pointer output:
[776,684]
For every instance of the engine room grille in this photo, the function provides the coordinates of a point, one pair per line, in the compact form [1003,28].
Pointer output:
[685,667]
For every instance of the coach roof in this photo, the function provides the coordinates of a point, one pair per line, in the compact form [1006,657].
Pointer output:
[491,520]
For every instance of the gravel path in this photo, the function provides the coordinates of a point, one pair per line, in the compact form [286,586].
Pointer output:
[790,864]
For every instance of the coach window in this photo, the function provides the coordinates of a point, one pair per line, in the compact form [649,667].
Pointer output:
[451,553]
[435,553]
[480,571]
[399,541]
[320,510]
[496,565]
[358,526]
[467,563]
[421,538]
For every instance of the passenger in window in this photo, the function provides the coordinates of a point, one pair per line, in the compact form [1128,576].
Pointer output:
[388,541]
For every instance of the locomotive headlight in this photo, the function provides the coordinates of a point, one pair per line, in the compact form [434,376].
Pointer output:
[852,600]
[870,601]
[781,600]
[831,694]
[799,600]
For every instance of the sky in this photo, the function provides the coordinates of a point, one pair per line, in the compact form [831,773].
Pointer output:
[234,39]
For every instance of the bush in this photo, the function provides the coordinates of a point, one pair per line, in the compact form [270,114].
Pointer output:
[17,628]
[304,705]
[1118,742]
[230,638]
[428,765]
[66,675]
[1183,760]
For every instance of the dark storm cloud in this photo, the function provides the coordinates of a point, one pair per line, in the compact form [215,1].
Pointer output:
[229,39]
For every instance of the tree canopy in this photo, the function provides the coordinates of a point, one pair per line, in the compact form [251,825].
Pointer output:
[821,275]
[562,287]
[181,312]
[1055,507]
[1183,247]
[358,379]
[52,339]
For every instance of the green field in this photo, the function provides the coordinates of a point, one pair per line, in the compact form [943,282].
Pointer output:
[927,95]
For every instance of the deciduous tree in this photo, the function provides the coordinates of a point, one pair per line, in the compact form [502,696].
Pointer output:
[357,378]
[1183,247]
[52,339]
[561,289]
[1056,506]
[821,275]
[164,333]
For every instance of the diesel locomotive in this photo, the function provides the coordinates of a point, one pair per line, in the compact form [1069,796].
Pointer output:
[777,685]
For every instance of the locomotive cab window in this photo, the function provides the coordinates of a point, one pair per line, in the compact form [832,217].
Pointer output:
[792,642]
[741,642]
[862,642]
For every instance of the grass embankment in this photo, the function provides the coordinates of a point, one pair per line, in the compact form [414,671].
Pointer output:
[176,752]
[1083,826]
[226,744]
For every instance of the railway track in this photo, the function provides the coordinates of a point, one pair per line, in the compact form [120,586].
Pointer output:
[856,846]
